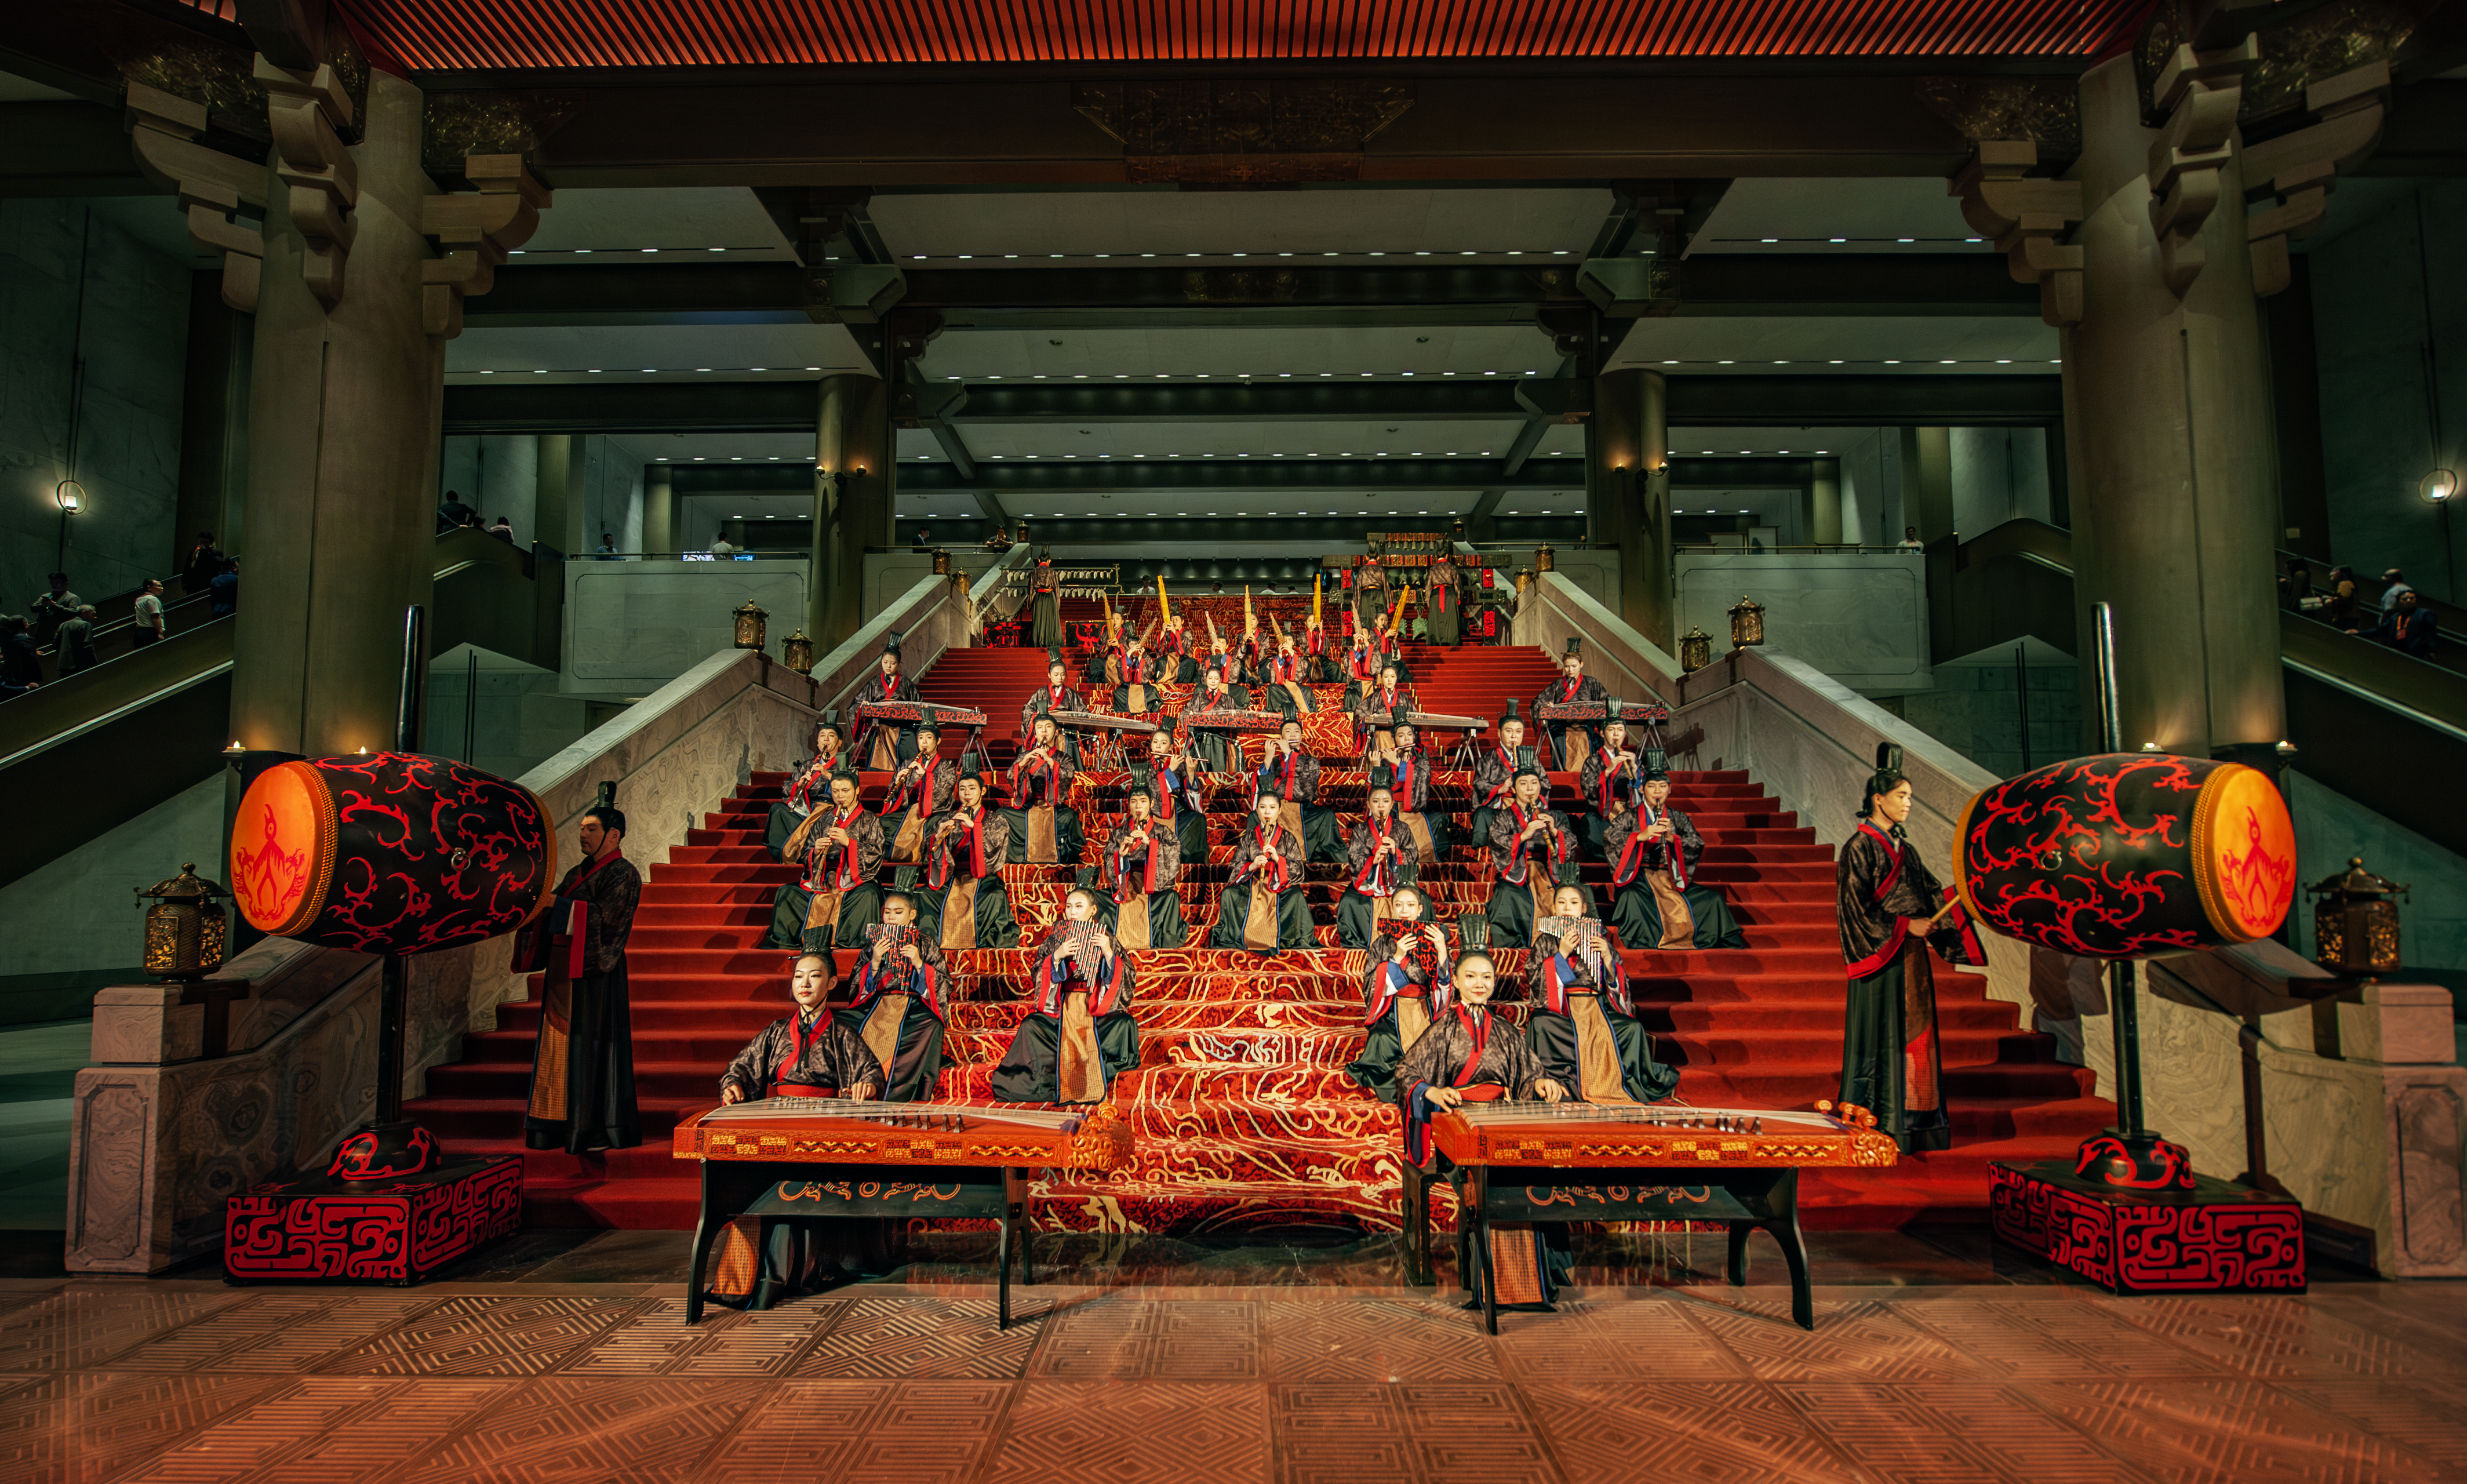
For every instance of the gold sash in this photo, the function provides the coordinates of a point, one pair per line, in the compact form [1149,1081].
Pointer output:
[1290,813]
[551,1070]
[909,844]
[1131,923]
[824,911]
[1259,923]
[1113,670]
[1302,701]
[1381,910]
[960,917]
[1678,924]
[882,1031]
[1578,744]
[1598,1059]
[1421,829]
[1137,693]
[1042,849]
[1078,1068]
[884,757]
[1413,1019]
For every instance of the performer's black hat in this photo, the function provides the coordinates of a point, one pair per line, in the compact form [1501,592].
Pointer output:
[1523,769]
[973,764]
[928,719]
[1655,773]
[1509,714]
[1053,658]
[1575,646]
[1657,763]
[891,642]
[829,718]
[1886,777]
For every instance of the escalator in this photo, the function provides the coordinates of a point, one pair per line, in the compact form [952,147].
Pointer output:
[2376,726]
[89,753]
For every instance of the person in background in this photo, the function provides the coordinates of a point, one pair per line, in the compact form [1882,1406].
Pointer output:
[21,669]
[720,548]
[924,539]
[452,513]
[1909,540]
[503,530]
[2397,584]
[2410,628]
[2338,608]
[149,615]
[2299,585]
[607,547]
[75,640]
[225,588]
[1000,540]
[205,563]
[54,607]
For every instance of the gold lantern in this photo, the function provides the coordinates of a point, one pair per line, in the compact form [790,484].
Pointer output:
[796,652]
[2355,923]
[1747,623]
[1546,558]
[184,927]
[941,562]
[751,633]
[1695,650]
[1524,580]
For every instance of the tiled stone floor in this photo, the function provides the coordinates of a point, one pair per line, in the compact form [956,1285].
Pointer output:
[562,1356]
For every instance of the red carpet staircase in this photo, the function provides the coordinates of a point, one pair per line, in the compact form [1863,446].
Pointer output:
[1244,1116]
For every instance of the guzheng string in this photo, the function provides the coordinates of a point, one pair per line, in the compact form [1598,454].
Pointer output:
[849,1107]
[1672,1115]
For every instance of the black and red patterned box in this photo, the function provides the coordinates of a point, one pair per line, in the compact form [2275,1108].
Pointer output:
[2217,1237]
[316,1230]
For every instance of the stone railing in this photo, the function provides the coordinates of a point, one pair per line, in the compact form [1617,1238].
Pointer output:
[1555,609]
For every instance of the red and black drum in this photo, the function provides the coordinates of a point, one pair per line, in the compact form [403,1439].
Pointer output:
[2129,854]
[393,852]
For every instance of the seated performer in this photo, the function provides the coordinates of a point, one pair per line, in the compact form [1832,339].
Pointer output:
[806,1055]
[1137,693]
[1043,829]
[1079,1035]
[1293,773]
[1581,1024]
[1494,774]
[1377,705]
[896,1001]
[1568,742]
[1262,907]
[1215,751]
[1288,676]
[1318,663]
[809,784]
[1608,778]
[1403,987]
[1653,850]
[1406,769]
[839,855]
[912,799]
[1165,777]
[1530,846]
[1055,695]
[1177,666]
[1388,648]
[1358,668]
[967,907]
[881,746]
[1140,865]
[1379,860]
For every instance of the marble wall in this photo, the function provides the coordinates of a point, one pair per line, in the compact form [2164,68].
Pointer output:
[1860,617]
[632,626]
[134,339]
[1976,707]
[520,717]
[78,917]
[1999,474]
[2330,828]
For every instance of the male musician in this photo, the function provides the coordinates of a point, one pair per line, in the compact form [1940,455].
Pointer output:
[1055,695]
[1653,850]
[1180,666]
[1379,860]
[1361,667]
[1215,751]
[582,1067]
[1044,831]
[1139,868]
[1494,773]
[1571,742]
[1319,662]
[1292,774]
[1079,1035]
[1167,777]
[1609,777]
[920,789]
[1288,678]
[1405,985]
[810,1054]
[1137,693]
[1531,844]
[1405,770]
[1045,605]
[1388,648]
[1444,600]
[1370,595]
[1371,714]
[1582,1024]
[968,908]
[882,745]
[839,853]
[895,1002]
[809,783]
[1262,907]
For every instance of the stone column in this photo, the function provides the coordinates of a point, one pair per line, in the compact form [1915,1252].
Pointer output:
[659,510]
[853,503]
[2167,429]
[1927,503]
[346,394]
[557,508]
[1822,513]
[1627,492]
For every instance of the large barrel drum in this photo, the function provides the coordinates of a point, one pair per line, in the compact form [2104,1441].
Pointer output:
[2129,854]
[393,852]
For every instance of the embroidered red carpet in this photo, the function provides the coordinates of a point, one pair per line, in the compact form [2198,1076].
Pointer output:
[1244,1116]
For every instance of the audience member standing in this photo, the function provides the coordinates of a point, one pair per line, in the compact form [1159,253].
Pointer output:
[21,669]
[205,563]
[226,589]
[149,615]
[607,547]
[503,530]
[453,513]
[75,638]
[2391,594]
[54,607]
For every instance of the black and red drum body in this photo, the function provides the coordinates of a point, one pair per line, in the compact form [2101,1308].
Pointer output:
[391,853]
[2129,854]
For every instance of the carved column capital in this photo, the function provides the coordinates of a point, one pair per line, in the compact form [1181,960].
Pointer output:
[474,231]
[321,178]
[2298,171]
[211,186]
[2025,219]
[2200,93]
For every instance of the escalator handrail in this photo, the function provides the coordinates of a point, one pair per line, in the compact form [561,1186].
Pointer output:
[57,710]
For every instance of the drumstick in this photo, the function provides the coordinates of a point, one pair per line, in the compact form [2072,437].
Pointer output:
[1939,914]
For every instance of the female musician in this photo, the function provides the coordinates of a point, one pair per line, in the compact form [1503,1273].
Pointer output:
[839,853]
[1213,751]
[1140,865]
[1403,987]
[883,743]
[1262,907]
[1079,1035]
[966,848]
[1571,740]
[1288,676]
[1167,777]
[1179,666]
[1318,662]
[1582,1024]
[804,1055]
[912,800]
[1653,850]
[1372,727]
[1380,860]
[1044,830]
[896,1001]
[1361,668]
[1137,693]
[809,783]
[1293,773]
[1406,770]
[1532,845]
[1055,695]
[1610,776]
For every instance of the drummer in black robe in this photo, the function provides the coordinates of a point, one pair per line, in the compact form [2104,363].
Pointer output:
[920,789]
[1569,741]
[1472,1055]
[1374,708]
[1045,605]
[1443,599]
[896,1001]
[1405,770]
[1379,860]
[1172,788]
[809,783]
[1893,911]
[582,1067]
[1293,773]
[1611,775]
[1532,846]
[1054,695]
[1494,774]
[1659,904]
[1215,751]
[1079,1035]
[837,889]
[881,746]
[1404,987]
[1044,831]
[1582,1024]
[1262,907]
[1139,869]
[967,904]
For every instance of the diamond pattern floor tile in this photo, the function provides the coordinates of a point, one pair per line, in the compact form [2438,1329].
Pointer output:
[597,1430]
[522,1335]
[863,1432]
[1162,1432]
[922,1340]
[81,1428]
[2228,1428]
[326,1430]
[1703,1431]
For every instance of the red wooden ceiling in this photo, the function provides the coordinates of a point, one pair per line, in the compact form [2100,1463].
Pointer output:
[490,34]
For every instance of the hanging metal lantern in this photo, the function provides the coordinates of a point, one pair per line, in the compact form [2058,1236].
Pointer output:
[796,652]
[751,633]
[2355,923]
[1695,650]
[184,929]
[1747,623]
[941,562]
[1546,558]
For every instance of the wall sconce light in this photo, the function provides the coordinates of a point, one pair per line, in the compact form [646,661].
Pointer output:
[1695,650]
[71,496]
[2150,747]
[796,652]
[2439,485]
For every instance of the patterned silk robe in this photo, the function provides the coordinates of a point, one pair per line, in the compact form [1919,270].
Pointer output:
[802,1056]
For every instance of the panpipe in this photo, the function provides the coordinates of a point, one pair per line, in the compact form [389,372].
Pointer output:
[909,710]
[1097,719]
[844,1131]
[1237,721]
[1571,711]
[1566,1134]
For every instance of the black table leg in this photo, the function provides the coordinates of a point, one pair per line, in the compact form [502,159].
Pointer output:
[706,1231]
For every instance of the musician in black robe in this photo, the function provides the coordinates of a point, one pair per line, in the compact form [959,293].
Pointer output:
[808,786]
[1659,902]
[1319,661]
[1405,770]
[1079,1034]
[1055,695]
[1379,860]
[1582,1024]
[1473,1054]
[1045,607]
[1494,775]
[1443,599]
[896,1001]
[807,1054]
[1215,751]
[1044,831]
[1570,741]
[1375,707]
[1404,987]
[920,789]
[1358,667]
[882,746]
[1370,595]
[1532,848]
[1611,775]
[967,904]
[1287,677]
[837,888]
[1167,777]
[1137,870]
[1889,904]
[1262,907]
[1293,773]
[1139,673]
[583,1065]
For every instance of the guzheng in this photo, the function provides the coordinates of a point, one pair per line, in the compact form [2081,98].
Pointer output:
[1093,719]
[910,711]
[843,1131]
[1654,1134]
[1571,711]
[1429,720]
[1237,721]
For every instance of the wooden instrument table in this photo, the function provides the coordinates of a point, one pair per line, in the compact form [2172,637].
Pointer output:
[802,1159]
[1591,1162]
[1109,729]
